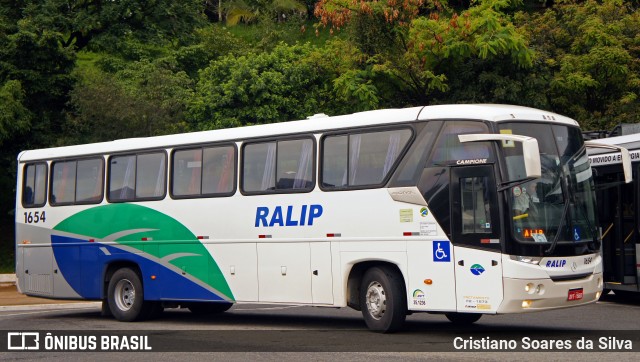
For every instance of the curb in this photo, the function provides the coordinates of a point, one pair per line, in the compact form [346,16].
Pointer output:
[7,280]
[50,307]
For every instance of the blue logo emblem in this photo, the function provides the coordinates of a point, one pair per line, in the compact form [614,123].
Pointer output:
[576,234]
[424,212]
[441,251]
[477,269]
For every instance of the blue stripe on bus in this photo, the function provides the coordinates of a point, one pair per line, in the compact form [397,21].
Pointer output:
[83,264]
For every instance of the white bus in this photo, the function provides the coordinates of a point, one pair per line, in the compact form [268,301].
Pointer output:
[426,209]
[618,213]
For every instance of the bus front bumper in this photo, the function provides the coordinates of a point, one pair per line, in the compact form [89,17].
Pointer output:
[532,295]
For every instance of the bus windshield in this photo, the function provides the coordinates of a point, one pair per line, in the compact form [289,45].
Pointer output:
[558,207]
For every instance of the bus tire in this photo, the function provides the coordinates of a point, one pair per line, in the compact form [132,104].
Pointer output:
[463,318]
[126,296]
[383,300]
[208,308]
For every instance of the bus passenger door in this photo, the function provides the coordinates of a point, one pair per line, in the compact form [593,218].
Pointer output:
[475,234]
[617,214]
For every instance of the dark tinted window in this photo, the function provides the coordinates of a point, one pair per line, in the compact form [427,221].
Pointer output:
[34,189]
[361,159]
[448,148]
[278,166]
[137,177]
[77,181]
[208,171]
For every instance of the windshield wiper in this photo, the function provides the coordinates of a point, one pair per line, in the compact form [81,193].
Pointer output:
[563,219]
[509,184]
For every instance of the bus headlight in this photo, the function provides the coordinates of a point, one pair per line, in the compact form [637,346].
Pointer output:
[529,288]
[526,303]
[534,289]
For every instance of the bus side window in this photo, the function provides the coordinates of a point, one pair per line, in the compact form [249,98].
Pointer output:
[295,164]
[278,166]
[258,166]
[89,180]
[121,177]
[219,170]
[63,182]
[151,175]
[186,172]
[34,188]
[361,159]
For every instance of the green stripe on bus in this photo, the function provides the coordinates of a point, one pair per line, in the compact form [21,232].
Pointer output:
[151,232]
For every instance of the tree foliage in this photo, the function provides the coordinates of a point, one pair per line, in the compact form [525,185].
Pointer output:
[105,23]
[14,116]
[257,88]
[592,51]
[143,99]
[414,45]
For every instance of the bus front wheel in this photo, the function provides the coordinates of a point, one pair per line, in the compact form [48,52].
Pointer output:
[382,299]
[463,318]
[126,297]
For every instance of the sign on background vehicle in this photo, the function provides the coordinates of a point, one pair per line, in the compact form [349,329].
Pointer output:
[462,210]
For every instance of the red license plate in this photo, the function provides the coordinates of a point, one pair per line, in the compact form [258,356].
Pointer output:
[575,294]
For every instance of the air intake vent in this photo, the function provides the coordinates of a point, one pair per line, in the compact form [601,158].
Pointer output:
[565,278]
[39,283]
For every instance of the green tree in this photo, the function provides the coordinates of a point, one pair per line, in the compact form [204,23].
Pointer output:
[213,42]
[269,87]
[14,116]
[246,11]
[143,99]
[105,23]
[592,50]
[413,46]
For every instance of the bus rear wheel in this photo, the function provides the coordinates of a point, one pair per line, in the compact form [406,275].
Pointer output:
[126,296]
[383,300]
[463,318]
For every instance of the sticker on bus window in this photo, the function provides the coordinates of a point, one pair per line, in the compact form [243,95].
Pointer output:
[576,234]
[517,191]
[539,238]
[506,143]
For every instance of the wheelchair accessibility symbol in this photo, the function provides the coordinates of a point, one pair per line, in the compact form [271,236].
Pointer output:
[441,251]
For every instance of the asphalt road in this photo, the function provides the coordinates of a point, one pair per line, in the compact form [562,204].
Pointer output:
[268,332]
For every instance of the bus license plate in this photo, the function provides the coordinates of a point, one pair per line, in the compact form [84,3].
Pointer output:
[575,294]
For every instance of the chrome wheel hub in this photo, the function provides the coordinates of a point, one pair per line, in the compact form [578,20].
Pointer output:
[125,294]
[376,300]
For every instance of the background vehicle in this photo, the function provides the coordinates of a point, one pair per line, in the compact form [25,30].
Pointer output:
[618,213]
[388,212]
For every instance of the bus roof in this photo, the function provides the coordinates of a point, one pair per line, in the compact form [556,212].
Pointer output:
[604,156]
[487,112]
[630,142]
